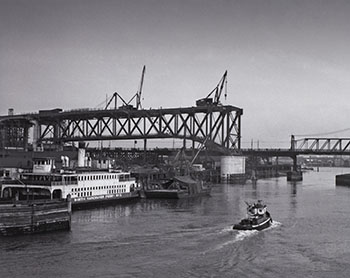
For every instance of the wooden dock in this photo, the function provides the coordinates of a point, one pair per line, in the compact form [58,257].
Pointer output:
[22,217]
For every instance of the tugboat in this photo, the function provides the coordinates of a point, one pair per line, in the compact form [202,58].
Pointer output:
[258,218]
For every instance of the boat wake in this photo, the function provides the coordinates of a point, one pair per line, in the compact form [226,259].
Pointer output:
[226,230]
[274,224]
[242,235]
[245,234]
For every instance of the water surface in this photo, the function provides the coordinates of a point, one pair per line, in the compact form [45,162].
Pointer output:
[310,236]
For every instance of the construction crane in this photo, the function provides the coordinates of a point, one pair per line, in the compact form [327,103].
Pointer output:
[137,96]
[217,91]
[139,91]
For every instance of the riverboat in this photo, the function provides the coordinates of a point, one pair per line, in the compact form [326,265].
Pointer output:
[86,186]
[177,188]
[258,218]
[38,216]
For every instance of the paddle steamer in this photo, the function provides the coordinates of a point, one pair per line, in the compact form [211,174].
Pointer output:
[85,185]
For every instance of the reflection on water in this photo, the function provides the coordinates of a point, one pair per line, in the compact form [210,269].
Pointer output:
[194,237]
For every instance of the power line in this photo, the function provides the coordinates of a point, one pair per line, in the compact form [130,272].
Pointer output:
[326,133]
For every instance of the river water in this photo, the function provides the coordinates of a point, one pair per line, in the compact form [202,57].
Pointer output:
[310,236]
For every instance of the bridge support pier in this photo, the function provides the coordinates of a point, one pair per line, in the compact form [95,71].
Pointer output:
[295,174]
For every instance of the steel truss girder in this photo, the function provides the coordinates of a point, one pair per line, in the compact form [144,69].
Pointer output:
[220,124]
[322,144]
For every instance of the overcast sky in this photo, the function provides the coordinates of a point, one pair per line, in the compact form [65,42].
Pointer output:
[288,62]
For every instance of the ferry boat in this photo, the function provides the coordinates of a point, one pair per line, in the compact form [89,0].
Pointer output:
[258,218]
[85,185]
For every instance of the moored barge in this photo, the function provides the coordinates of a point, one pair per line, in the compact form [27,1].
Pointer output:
[177,188]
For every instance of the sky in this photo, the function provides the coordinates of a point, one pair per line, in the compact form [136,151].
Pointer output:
[288,62]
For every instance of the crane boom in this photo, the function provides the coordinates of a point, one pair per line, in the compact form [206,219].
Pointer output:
[127,105]
[208,100]
[138,95]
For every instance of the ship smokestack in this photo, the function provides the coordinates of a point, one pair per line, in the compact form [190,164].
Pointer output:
[81,154]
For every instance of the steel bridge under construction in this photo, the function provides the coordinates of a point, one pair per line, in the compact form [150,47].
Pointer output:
[219,125]
[215,126]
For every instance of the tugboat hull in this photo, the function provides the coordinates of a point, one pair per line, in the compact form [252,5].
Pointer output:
[245,225]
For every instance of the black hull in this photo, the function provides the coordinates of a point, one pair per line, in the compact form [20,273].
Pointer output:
[343,180]
[173,194]
[245,227]
[94,203]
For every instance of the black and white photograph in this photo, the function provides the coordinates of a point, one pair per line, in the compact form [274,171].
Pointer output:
[174,138]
